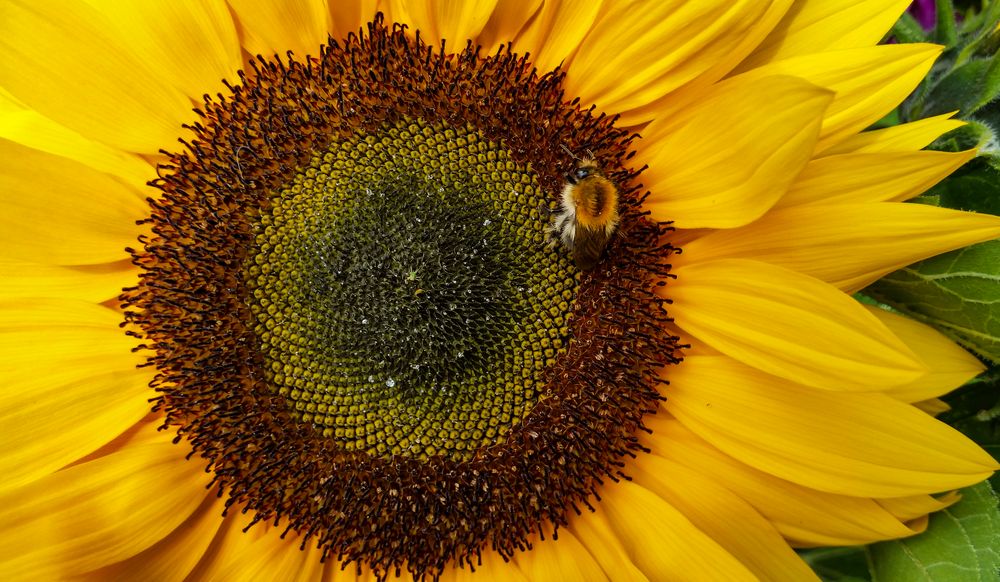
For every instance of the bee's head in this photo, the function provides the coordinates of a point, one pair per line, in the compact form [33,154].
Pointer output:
[582,172]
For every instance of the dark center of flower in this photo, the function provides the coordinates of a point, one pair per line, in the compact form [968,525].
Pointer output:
[357,320]
[406,299]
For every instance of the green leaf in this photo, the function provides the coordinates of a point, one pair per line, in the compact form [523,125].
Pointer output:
[965,88]
[847,564]
[955,292]
[976,186]
[960,545]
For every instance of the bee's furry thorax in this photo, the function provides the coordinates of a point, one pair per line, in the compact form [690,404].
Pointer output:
[588,214]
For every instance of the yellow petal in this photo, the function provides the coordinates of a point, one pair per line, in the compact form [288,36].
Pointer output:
[230,540]
[914,506]
[864,444]
[950,366]
[70,386]
[32,129]
[769,127]
[812,27]
[877,177]
[508,19]
[175,556]
[663,543]
[595,533]
[271,27]
[93,284]
[905,137]
[97,513]
[454,22]
[558,30]
[62,60]
[348,16]
[849,245]
[670,43]
[493,568]
[738,46]
[191,44]
[270,557]
[933,406]
[554,559]
[58,211]
[726,518]
[800,513]
[788,324]
[868,82]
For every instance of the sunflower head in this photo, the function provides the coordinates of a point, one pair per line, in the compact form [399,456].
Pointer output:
[356,316]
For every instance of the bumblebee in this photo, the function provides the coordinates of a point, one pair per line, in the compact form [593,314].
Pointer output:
[588,214]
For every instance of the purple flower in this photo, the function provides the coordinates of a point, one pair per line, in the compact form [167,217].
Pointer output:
[925,13]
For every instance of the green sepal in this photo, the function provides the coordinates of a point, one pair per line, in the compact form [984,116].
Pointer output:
[908,30]
[965,88]
[945,30]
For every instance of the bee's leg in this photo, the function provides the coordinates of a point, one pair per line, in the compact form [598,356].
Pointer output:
[560,230]
[551,234]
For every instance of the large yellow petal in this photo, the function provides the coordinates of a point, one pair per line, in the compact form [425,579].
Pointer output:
[914,506]
[348,16]
[868,82]
[563,558]
[768,127]
[192,44]
[671,43]
[507,21]
[271,557]
[493,568]
[662,542]
[58,211]
[270,27]
[70,385]
[737,47]
[932,406]
[62,59]
[848,245]
[453,22]
[905,137]
[871,177]
[93,284]
[864,444]
[175,556]
[27,127]
[557,31]
[800,513]
[950,366]
[726,518]
[812,27]
[97,513]
[230,540]
[596,534]
[788,324]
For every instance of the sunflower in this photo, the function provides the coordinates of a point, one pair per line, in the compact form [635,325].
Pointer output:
[313,322]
